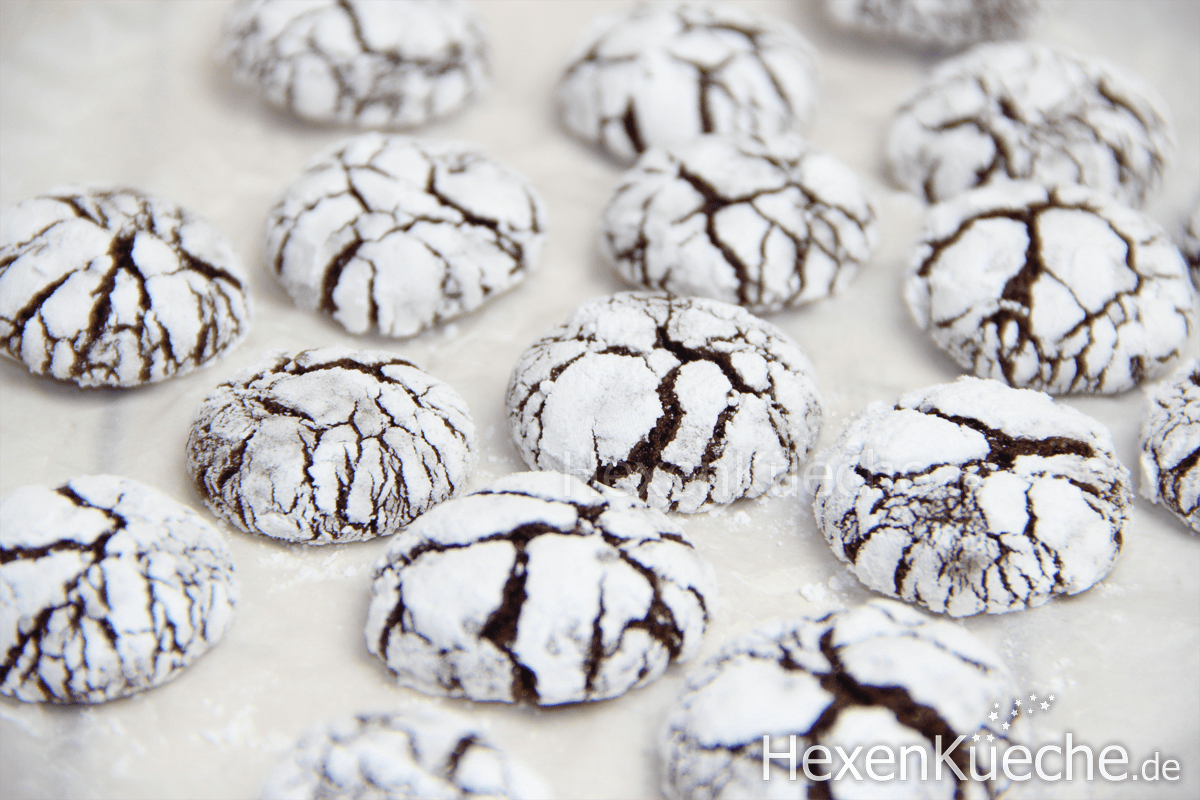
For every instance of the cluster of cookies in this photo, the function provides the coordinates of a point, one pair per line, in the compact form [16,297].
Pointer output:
[571,583]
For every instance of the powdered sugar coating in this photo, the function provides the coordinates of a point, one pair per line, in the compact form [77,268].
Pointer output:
[411,753]
[393,234]
[538,589]
[658,72]
[107,588]
[1022,110]
[330,445]
[974,497]
[767,224]
[685,402]
[359,62]
[1170,440]
[1063,290]
[105,286]
[935,23]
[881,674]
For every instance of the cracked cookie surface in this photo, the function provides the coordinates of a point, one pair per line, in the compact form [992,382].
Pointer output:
[766,224]
[973,497]
[330,445]
[684,402]
[1170,439]
[107,588]
[879,674]
[1021,110]
[393,234]
[358,62]
[935,23]
[538,589]
[1063,290]
[106,286]
[413,753]
[665,71]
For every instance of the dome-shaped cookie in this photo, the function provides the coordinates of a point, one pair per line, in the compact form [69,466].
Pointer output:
[106,286]
[538,589]
[684,402]
[973,497]
[766,224]
[658,72]
[330,445]
[877,679]
[359,62]
[393,234]
[108,587]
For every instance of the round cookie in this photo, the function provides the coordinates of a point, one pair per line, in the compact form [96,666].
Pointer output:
[765,224]
[1189,243]
[409,753]
[330,445]
[392,234]
[947,24]
[879,675]
[107,588]
[1021,110]
[664,71]
[105,286]
[973,497]
[685,402]
[538,589]
[1170,441]
[357,62]
[1063,289]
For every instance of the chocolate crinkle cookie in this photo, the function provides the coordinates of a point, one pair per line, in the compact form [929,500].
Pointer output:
[107,588]
[880,674]
[1020,110]
[358,62]
[104,286]
[1059,289]
[330,445]
[942,24]
[685,402]
[538,589]
[1171,444]
[658,72]
[974,497]
[767,224]
[414,753]
[393,234]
